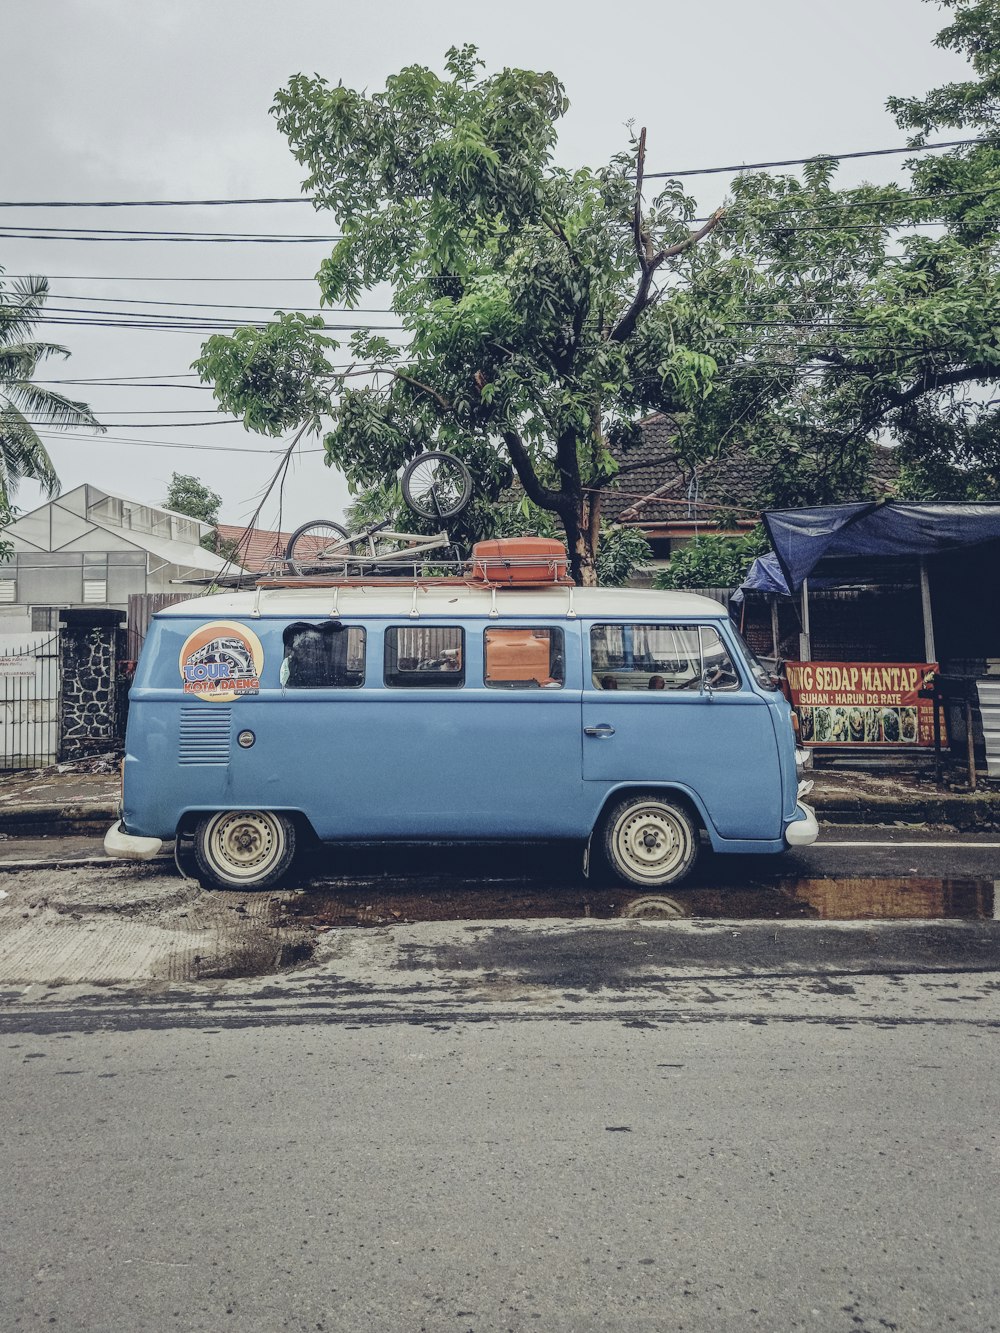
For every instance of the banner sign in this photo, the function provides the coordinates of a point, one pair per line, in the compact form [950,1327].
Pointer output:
[863,703]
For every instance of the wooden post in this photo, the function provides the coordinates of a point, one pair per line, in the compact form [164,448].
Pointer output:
[925,603]
[805,638]
[970,746]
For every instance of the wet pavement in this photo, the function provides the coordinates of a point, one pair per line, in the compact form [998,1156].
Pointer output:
[899,875]
[70,916]
[815,900]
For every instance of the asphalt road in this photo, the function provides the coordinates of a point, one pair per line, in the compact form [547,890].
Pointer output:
[558,1125]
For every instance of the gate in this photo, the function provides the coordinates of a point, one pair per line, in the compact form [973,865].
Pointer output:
[29,700]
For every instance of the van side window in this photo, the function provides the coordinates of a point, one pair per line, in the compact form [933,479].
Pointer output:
[328,655]
[431,657]
[524,659]
[658,657]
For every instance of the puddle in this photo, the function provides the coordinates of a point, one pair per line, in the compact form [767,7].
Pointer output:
[395,899]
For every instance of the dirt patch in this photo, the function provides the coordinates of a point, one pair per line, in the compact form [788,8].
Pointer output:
[132,924]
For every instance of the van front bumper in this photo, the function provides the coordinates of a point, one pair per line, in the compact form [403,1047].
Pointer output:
[128,846]
[803,829]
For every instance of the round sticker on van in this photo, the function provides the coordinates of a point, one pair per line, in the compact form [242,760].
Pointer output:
[221,660]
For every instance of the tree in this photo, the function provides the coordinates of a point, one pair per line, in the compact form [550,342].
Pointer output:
[868,313]
[713,561]
[26,406]
[187,495]
[546,310]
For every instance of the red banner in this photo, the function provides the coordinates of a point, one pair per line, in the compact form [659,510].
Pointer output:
[863,703]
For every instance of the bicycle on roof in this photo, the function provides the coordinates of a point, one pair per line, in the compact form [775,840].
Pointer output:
[435,485]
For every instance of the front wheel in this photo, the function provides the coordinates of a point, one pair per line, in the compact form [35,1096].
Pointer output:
[437,485]
[650,840]
[244,849]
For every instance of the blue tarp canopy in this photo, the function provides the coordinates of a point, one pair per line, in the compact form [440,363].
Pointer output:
[764,575]
[802,538]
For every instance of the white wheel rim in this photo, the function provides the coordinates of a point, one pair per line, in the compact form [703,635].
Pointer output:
[244,844]
[651,842]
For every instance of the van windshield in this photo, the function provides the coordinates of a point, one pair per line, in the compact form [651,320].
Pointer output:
[764,678]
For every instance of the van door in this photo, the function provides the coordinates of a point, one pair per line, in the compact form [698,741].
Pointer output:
[649,718]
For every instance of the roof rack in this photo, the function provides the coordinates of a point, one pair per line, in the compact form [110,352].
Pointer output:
[376,571]
[493,564]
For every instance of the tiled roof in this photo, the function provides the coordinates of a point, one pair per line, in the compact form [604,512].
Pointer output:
[734,481]
[255,550]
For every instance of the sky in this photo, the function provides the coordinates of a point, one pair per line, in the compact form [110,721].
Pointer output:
[110,99]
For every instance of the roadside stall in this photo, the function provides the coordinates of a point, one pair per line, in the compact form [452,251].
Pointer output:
[876,609]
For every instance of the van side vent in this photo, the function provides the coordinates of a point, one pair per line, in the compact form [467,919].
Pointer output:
[205,733]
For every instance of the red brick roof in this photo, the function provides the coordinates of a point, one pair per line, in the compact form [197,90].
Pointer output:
[256,550]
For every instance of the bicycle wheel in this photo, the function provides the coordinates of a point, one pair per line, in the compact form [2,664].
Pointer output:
[437,485]
[317,544]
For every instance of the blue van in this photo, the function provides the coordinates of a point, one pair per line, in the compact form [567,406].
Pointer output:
[629,721]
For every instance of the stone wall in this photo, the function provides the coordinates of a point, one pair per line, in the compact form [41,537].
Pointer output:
[89,684]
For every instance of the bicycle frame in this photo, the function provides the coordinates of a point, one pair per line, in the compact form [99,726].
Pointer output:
[414,545]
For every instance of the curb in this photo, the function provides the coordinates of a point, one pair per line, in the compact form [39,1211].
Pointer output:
[975,811]
[28,820]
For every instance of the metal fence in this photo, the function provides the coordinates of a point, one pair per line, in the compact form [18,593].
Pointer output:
[30,693]
[142,607]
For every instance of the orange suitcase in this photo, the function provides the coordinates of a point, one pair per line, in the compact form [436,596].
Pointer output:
[520,560]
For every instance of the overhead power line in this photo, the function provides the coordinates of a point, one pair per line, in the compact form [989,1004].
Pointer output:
[305,199]
[208,321]
[816,157]
[25,232]
[117,277]
[222,305]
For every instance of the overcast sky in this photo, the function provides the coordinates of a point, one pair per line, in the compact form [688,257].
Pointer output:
[113,99]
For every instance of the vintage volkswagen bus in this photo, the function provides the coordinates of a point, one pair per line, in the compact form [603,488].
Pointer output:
[632,722]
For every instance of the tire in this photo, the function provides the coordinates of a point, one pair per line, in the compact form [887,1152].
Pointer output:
[309,546]
[437,485]
[650,840]
[244,849]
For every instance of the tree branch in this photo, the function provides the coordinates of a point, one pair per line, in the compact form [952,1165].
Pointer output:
[627,323]
[557,231]
[424,388]
[533,488]
[643,246]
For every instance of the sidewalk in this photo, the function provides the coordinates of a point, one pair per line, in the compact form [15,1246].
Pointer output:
[849,797]
[45,803]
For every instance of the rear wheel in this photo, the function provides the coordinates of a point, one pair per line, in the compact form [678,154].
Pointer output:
[316,545]
[244,849]
[650,840]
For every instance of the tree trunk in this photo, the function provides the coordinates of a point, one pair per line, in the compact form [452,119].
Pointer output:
[582,554]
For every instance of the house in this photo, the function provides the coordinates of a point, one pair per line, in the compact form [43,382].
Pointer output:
[672,502]
[92,548]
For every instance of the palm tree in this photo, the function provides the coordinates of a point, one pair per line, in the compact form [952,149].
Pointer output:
[24,405]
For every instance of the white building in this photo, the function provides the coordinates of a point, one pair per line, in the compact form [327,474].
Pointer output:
[91,547]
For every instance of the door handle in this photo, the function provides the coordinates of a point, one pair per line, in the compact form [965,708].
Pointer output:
[602,732]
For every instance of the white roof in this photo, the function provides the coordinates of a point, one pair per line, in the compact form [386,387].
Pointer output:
[444,601]
[146,504]
[186,555]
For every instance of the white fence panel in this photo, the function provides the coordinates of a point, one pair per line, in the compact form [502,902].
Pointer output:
[29,700]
